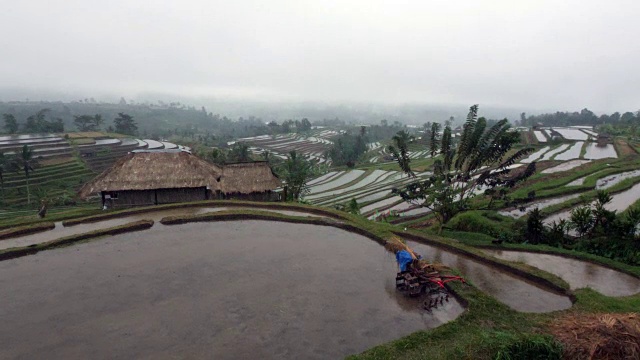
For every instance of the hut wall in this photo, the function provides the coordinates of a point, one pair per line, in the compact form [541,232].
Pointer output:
[132,198]
[255,196]
[166,196]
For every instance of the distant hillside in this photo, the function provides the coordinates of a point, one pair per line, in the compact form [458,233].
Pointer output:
[151,119]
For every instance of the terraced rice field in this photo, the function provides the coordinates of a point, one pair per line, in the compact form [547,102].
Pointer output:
[523,210]
[550,154]
[536,155]
[45,182]
[619,202]
[611,180]
[600,152]
[565,166]
[572,153]
[371,189]
[572,134]
[540,136]
[312,146]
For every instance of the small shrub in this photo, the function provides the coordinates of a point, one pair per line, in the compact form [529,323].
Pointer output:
[532,347]
[475,222]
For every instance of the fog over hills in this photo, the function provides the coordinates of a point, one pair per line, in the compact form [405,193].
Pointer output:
[507,56]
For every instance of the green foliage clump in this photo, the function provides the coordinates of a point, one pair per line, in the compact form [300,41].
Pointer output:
[531,347]
[474,221]
[347,149]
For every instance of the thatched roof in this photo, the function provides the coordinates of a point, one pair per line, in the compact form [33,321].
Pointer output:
[155,170]
[246,178]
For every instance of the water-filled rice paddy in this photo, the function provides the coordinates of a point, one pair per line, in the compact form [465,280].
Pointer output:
[245,289]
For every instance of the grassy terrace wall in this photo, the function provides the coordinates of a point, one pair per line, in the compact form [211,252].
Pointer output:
[211,203]
[26,230]
[13,253]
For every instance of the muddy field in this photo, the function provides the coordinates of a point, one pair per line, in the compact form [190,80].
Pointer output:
[245,289]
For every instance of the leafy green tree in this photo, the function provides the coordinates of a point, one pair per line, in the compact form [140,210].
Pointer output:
[582,220]
[296,173]
[434,139]
[480,162]
[535,228]
[239,153]
[25,161]
[347,149]
[97,121]
[84,122]
[555,234]
[10,123]
[602,218]
[124,124]
[353,207]
[305,125]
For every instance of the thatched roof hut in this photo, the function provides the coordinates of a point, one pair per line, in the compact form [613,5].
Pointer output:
[155,170]
[247,178]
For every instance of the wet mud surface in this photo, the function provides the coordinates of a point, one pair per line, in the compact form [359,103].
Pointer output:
[61,231]
[579,274]
[240,289]
[509,289]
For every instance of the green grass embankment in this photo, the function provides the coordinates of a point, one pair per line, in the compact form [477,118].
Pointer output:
[17,252]
[484,241]
[26,230]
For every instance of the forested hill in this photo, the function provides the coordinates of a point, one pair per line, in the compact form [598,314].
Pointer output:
[152,120]
[582,117]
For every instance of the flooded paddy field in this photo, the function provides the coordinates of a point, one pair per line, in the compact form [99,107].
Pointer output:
[509,289]
[242,289]
[533,157]
[62,231]
[611,180]
[577,273]
[594,151]
[565,166]
[572,153]
[571,134]
[522,211]
[550,154]
[619,202]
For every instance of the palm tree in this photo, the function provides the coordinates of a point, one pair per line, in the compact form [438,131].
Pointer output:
[481,161]
[401,153]
[24,161]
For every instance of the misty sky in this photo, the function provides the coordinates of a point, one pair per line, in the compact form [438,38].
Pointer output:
[533,54]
